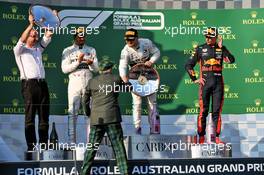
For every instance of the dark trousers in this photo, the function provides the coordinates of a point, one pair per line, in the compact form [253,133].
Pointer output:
[115,134]
[36,99]
[213,88]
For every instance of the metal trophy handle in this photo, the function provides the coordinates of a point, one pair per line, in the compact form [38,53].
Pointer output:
[44,16]
[145,80]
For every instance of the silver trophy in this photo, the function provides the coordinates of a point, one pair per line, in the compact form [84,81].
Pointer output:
[145,80]
[44,16]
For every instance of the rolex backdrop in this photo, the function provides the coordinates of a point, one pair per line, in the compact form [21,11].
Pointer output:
[174,32]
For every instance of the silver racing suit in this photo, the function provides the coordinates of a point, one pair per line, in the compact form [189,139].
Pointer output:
[79,75]
[146,51]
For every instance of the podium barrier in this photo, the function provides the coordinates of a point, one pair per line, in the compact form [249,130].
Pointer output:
[144,147]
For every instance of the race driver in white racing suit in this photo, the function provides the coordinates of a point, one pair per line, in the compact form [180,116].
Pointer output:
[140,50]
[79,61]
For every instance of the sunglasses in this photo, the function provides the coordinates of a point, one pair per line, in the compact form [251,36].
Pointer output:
[209,37]
[130,39]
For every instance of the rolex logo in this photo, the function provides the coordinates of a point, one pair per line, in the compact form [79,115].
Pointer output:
[14,40]
[256,72]
[105,57]
[45,57]
[194,15]
[196,103]
[15,102]
[14,71]
[254,43]
[14,9]
[258,102]
[226,88]
[166,89]
[194,44]
[253,14]
[165,59]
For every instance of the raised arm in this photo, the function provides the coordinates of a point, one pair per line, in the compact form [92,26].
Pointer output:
[23,38]
[228,57]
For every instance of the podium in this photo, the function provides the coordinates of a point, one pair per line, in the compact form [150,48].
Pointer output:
[144,147]
[173,147]
[157,147]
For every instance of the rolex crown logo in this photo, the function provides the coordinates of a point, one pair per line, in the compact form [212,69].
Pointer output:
[45,57]
[105,57]
[166,89]
[15,102]
[254,43]
[14,9]
[194,44]
[258,102]
[14,40]
[256,72]
[253,14]
[14,71]
[194,15]
[196,103]
[165,59]
[226,88]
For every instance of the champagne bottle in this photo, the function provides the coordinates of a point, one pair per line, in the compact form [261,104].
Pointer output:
[53,137]
[157,124]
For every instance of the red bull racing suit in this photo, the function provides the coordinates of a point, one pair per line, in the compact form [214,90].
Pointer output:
[211,60]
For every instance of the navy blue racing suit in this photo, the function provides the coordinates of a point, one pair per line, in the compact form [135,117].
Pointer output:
[211,60]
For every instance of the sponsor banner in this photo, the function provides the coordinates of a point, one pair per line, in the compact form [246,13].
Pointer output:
[175,32]
[235,166]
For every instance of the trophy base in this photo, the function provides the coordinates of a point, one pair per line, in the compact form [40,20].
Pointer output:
[56,155]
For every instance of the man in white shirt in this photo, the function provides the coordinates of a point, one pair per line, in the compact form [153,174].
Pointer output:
[140,50]
[79,61]
[28,54]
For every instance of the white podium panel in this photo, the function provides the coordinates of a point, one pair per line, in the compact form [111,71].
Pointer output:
[211,151]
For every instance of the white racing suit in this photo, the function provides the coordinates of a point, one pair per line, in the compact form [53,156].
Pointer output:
[79,75]
[145,51]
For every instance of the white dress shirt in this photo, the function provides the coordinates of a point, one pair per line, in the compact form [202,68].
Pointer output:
[29,60]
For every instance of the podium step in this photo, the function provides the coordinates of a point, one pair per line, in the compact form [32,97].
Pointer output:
[173,147]
[144,147]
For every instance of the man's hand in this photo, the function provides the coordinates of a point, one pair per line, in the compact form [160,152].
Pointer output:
[31,19]
[55,12]
[125,79]
[200,81]
[220,41]
[148,63]
[48,33]
[80,57]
